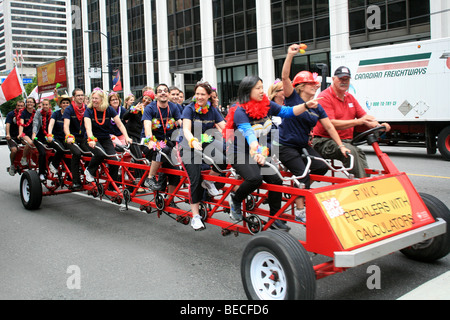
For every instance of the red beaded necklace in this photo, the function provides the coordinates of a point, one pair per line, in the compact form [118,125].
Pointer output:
[29,121]
[96,119]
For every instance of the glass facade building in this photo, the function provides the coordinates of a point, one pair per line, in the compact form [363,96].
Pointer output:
[32,33]
[179,42]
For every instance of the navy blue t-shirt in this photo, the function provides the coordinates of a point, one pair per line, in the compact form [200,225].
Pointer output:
[76,126]
[115,130]
[99,129]
[25,115]
[264,124]
[58,128]
[294,132]
[13,127]
[163,120]
[202,122]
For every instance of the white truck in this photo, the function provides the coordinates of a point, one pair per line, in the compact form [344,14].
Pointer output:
[406,85]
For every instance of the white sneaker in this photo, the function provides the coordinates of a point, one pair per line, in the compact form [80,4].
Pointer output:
[89,177]
[23,162]
[300,215]
[52,168]
[210,186]
[12,171]
[42,178]
[197,223]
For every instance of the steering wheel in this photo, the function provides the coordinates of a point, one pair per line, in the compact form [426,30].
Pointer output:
[362,138]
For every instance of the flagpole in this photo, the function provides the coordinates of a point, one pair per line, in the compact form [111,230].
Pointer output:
[21,73]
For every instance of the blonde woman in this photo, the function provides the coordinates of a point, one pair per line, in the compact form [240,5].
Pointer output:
[98,122]
[276,94]
[129,101]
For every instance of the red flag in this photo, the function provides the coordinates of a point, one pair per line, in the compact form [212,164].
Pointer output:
[11,87]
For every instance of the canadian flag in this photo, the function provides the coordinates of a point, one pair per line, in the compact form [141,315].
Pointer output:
[11,87]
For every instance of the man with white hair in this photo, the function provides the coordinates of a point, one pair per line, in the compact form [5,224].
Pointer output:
[345,113]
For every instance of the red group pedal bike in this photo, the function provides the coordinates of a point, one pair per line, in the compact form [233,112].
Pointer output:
[350,221]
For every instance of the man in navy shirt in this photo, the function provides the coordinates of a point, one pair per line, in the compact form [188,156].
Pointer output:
[161,118]
[12,131]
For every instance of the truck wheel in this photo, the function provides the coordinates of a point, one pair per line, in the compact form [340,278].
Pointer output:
[30,190]
[275,266]
[435,248]
[444,143]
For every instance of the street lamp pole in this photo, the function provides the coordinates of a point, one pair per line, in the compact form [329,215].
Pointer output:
[108,43]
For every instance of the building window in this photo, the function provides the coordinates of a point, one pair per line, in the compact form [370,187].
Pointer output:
[304,62]
[296,21]
[228,80]
[234,29]
[393,18]
[184,34]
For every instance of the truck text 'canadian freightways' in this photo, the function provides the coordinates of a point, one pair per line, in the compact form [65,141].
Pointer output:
[407,85]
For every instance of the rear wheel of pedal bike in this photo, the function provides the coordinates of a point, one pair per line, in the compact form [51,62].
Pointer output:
[31,190]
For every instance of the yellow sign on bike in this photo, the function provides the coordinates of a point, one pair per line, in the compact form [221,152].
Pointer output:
[369,211]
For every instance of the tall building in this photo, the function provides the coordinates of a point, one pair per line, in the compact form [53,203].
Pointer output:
[179,42]
[32,32]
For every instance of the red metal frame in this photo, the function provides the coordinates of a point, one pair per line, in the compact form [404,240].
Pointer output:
[320,237]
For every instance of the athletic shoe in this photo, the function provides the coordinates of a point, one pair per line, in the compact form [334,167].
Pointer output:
[210,186]
[42,178]
[280,225]
[52,168]
[235,210]
[151,183]
[197,223]
[89,177]
[12,171]
[23,162]
[300,215]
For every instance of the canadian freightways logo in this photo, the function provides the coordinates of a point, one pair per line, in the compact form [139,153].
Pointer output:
[395,63]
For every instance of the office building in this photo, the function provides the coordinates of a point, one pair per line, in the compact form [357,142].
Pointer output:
[179,42]
[32,33]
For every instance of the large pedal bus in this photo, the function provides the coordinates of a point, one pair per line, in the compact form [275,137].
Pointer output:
[351,221]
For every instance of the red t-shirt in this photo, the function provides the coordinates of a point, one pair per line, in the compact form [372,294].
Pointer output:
[338,109]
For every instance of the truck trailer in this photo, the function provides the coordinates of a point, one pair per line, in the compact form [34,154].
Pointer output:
[406,85]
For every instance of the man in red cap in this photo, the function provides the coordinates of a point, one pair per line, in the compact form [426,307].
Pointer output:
[345,113]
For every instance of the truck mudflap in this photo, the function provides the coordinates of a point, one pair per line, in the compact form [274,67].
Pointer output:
[349,259]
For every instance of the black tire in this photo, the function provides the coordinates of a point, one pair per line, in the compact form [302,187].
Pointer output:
[30,190]
[444,143]
[280,254]
[435,248]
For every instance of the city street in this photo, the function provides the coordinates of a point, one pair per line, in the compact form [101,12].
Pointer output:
[76,248]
